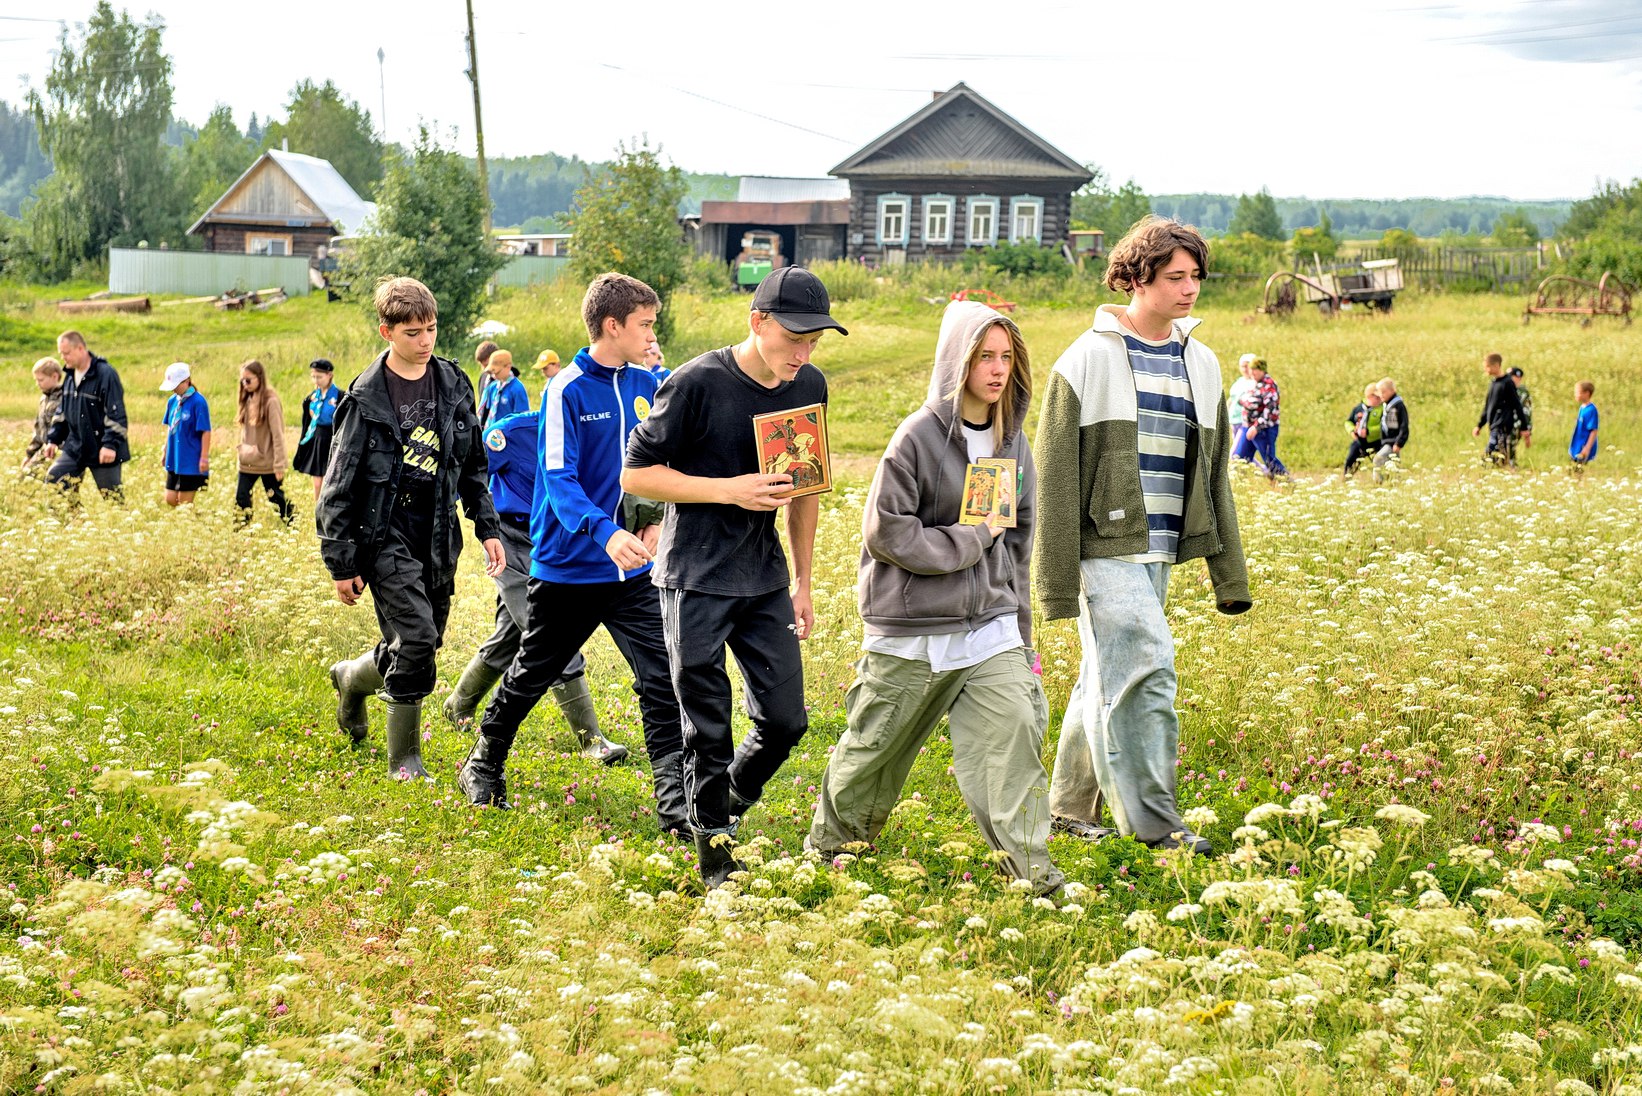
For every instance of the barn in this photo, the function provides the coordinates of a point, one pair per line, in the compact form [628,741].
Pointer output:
[959,173]
[284,204]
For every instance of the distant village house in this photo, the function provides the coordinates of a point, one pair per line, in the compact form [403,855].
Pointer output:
[284,204]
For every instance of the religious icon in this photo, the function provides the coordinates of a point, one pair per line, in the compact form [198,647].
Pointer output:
[990,487]
[794,443]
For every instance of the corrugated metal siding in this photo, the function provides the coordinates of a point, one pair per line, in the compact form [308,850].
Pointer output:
[523,270]
[765,188]
[197,273]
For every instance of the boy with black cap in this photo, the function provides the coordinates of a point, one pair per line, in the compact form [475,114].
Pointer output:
[720,566]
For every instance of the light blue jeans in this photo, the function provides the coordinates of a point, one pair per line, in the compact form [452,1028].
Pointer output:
[1120,735]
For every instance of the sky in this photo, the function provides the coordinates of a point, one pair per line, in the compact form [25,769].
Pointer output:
[1525,99]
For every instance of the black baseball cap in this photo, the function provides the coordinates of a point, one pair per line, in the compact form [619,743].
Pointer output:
[1516,372]
[797,300]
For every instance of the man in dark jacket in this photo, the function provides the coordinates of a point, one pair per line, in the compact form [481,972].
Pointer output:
[88,432]
[405,450]
[1501,413]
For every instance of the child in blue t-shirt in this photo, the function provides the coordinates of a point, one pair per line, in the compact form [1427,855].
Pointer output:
[187,436]
[313,452]
[1582,447]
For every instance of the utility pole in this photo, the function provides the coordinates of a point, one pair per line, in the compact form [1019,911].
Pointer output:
[478,117]
[382,75]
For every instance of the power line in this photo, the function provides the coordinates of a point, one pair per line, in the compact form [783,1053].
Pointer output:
[729,106]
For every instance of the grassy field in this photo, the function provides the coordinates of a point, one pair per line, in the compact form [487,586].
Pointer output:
[1418,756]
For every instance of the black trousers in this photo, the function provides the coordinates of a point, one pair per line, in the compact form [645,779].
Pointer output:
[560,617]
[412,605]
[67,471]
[1360,448]
[759,632]
[270,484]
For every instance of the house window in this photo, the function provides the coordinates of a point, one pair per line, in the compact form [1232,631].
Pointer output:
[937,219]
[259,244]
[983,222]
[1026,219]
[892,219]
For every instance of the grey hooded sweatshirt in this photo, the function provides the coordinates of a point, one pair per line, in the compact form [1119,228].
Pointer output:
[922,573]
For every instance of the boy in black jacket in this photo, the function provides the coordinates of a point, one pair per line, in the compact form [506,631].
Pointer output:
[1501,413]
[406,448]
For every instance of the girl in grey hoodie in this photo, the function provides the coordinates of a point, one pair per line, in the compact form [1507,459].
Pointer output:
[948,613]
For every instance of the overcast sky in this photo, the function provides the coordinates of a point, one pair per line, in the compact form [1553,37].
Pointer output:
[1380,98]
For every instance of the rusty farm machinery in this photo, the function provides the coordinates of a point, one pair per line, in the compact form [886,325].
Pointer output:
[1565,295]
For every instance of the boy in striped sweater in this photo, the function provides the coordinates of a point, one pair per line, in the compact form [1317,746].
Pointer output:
[1132,461]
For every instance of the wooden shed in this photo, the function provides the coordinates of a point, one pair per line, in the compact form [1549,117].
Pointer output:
[959,173]
[284,204]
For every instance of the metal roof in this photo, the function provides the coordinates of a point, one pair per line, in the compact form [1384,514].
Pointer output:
[767,188]
[322,183]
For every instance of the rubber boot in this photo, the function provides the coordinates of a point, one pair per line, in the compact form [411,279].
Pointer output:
[463,702]
[483,779]
[355,680]
[575,700]
[672,812]
[715,857]
[405,741]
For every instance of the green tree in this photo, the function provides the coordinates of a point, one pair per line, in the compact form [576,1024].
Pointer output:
[1399,240]
[627,221]
[321,122]
[1096,205]
[430,225]
[1515,228]
[1257,213]
[217,156]
[102,120]
[1315,240]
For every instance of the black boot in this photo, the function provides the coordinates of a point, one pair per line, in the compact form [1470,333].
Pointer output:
[483,779]
[575,700]
[716,859]
[672,812]
[354,682]
[739,807]
[405,741]
[463,702]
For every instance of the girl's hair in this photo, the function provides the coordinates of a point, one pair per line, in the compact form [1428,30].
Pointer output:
[48,365]
[1371,390]
[1017,394]
[252,406]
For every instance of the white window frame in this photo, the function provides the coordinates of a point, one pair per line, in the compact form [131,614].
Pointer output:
[971,207]
[948,208]
[1019,205]
[261,243]
[898,239]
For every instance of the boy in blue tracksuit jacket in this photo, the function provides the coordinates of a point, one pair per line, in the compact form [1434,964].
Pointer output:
[585,569]
[510,445]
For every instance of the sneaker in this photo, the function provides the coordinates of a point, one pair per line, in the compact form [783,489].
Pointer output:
[1077,827]
[1183,839]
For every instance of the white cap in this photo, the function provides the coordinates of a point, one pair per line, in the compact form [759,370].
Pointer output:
[175,374]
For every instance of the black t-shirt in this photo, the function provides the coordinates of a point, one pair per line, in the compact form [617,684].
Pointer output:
[414,404]
[702,425]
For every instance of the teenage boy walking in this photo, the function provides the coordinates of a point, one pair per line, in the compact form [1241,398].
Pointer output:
[585,568]
[1501,413]
[510,444]
[1132,479]
[405,450]
[720,566]
[89,432]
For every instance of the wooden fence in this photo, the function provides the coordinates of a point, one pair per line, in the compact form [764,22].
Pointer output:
[1475,267]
